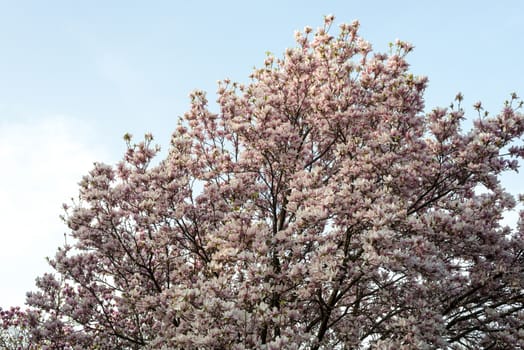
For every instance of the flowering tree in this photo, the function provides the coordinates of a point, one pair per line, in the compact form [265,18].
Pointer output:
[320,208]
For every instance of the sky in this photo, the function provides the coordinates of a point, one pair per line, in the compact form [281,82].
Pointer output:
[76,76]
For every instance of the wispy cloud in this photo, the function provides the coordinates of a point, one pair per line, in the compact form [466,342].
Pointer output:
[41,164]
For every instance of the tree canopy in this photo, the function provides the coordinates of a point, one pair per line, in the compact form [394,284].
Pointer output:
[319,208]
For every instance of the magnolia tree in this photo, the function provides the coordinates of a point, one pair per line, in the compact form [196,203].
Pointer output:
[320,208]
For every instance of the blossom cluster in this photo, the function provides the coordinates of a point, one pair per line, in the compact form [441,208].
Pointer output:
[319,208]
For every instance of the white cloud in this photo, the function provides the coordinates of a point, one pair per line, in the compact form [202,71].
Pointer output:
[41,163]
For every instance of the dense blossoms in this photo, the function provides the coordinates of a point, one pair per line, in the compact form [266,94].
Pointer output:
[320,208]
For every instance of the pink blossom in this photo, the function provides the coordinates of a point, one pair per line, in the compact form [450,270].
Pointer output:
[318,208]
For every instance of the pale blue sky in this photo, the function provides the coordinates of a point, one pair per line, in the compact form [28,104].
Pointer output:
[75,76]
